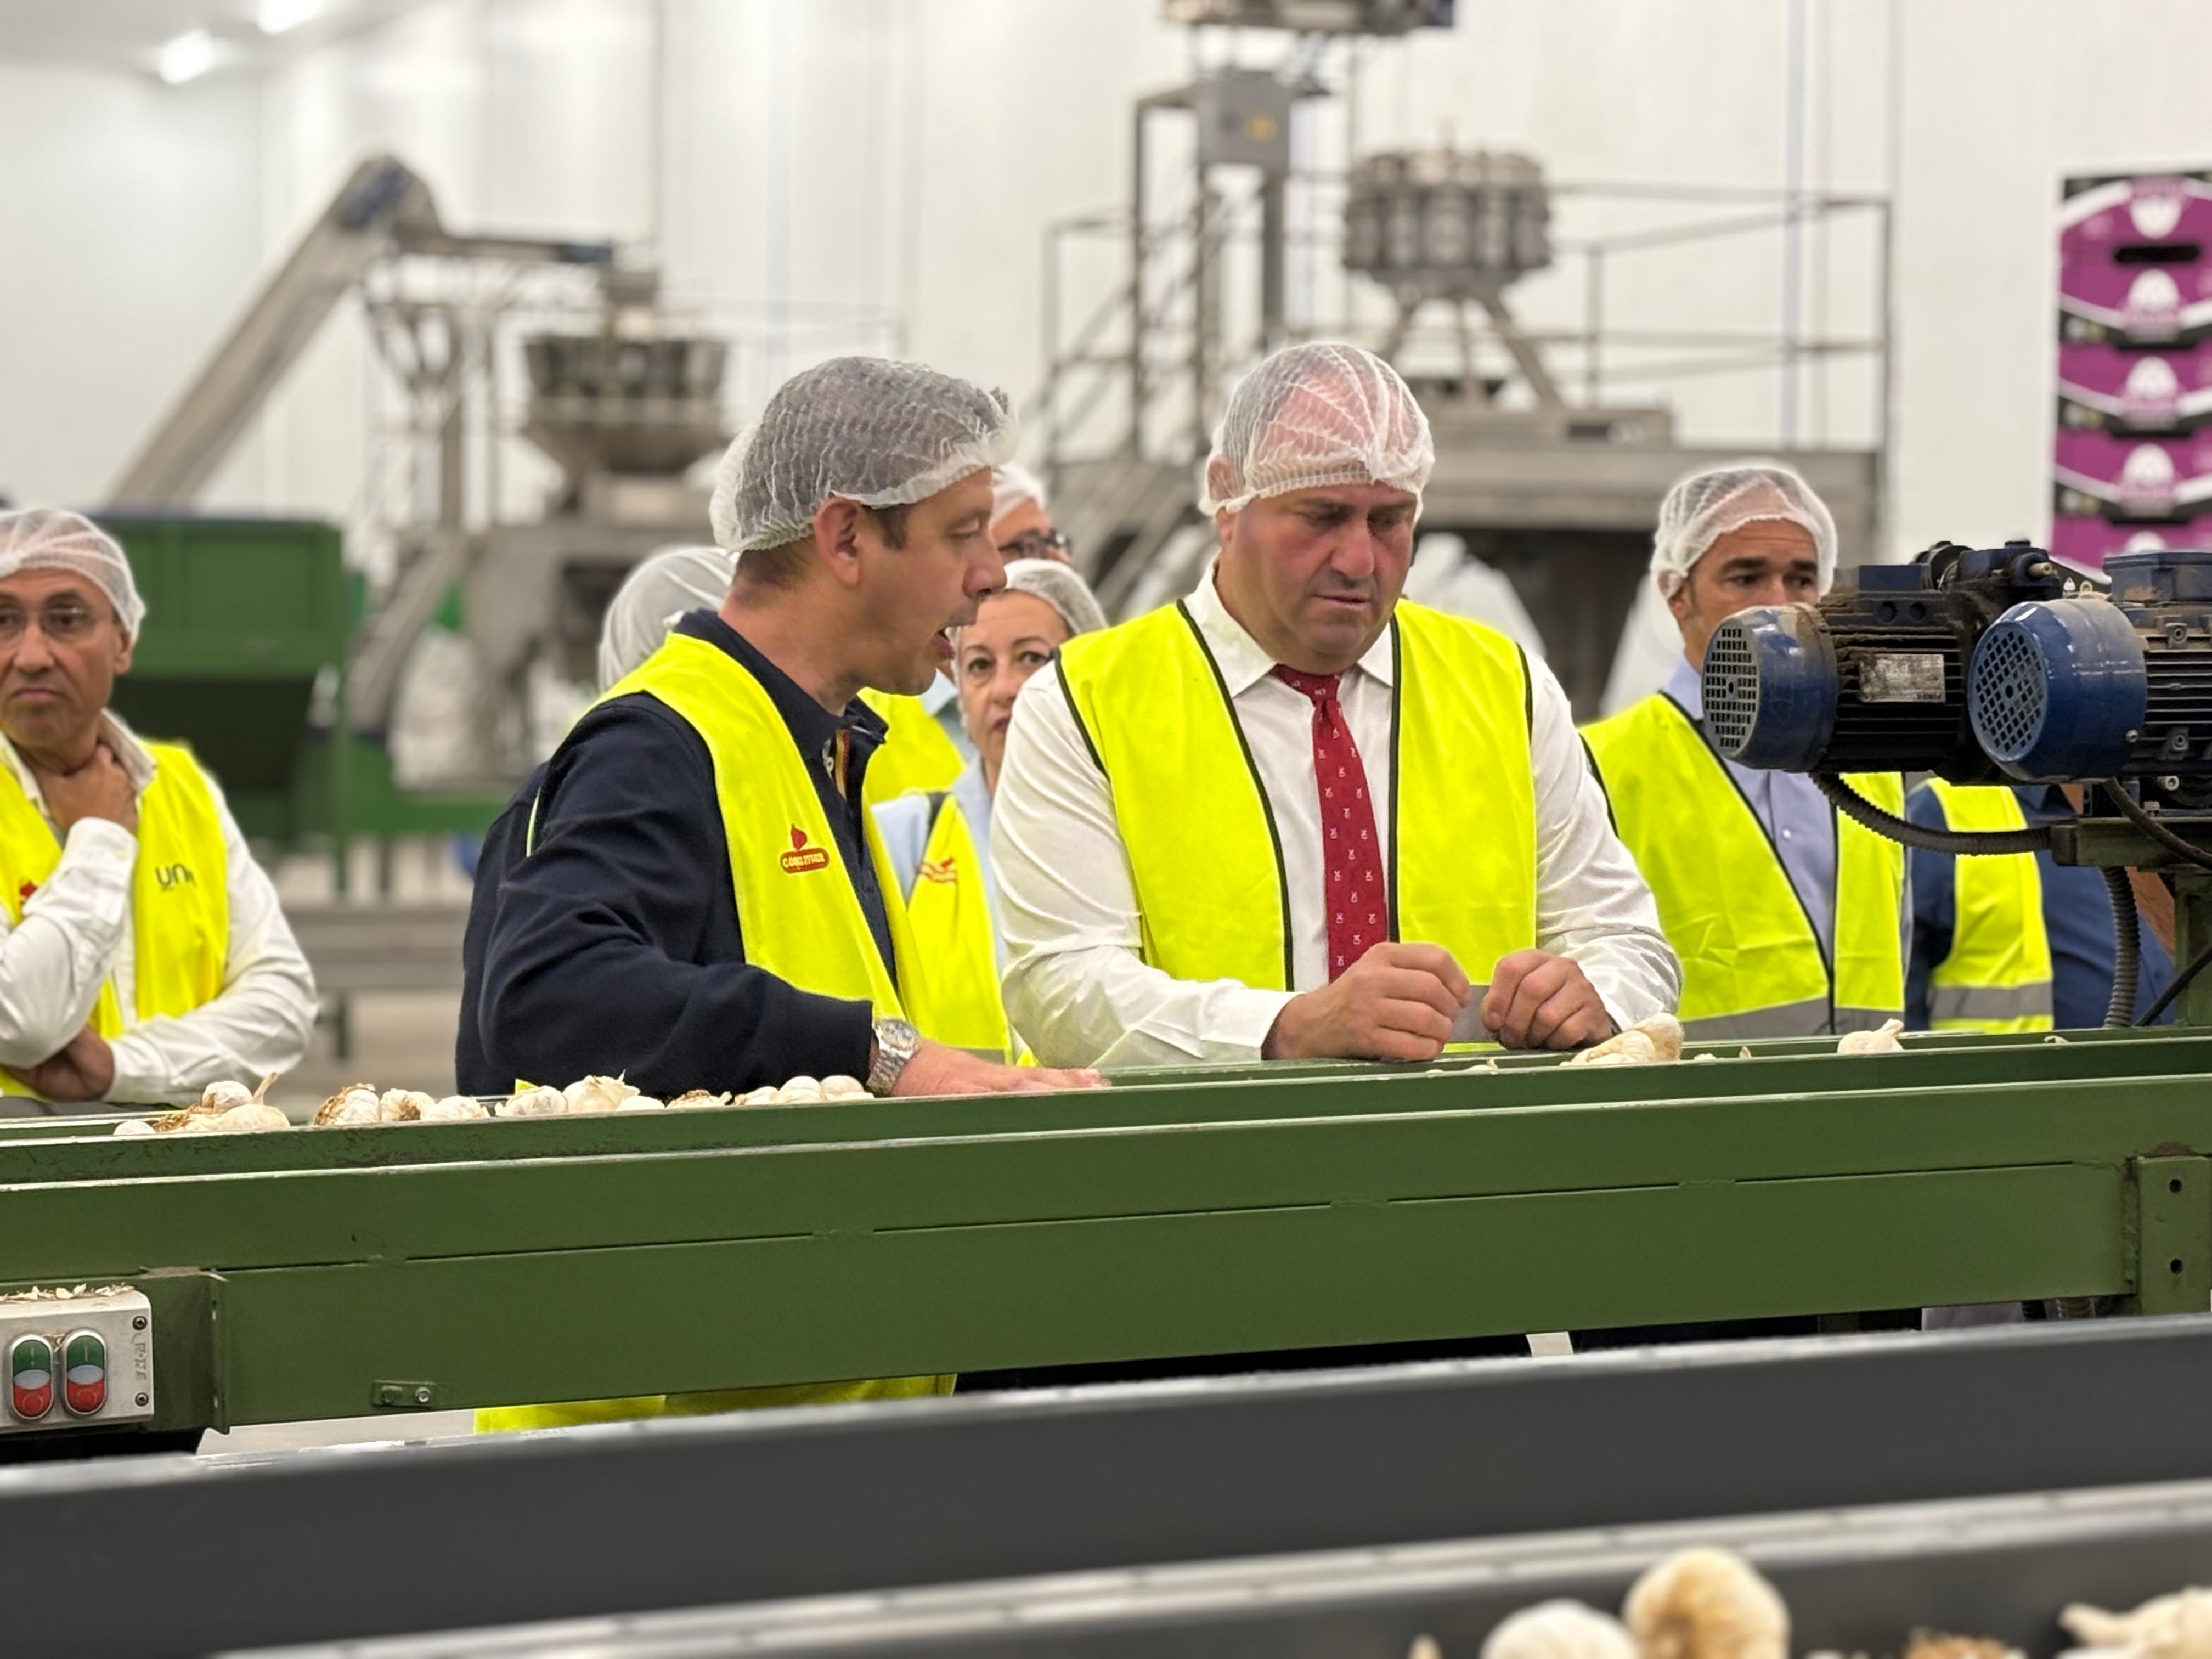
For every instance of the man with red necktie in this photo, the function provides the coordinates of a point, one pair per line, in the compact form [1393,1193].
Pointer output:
[1294,815]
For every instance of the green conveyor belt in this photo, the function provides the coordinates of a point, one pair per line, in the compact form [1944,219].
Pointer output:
[1224,1209]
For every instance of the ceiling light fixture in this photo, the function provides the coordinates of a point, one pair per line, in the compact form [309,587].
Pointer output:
[283,16]
[186,57]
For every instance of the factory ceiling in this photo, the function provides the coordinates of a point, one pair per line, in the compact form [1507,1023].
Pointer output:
[133,35]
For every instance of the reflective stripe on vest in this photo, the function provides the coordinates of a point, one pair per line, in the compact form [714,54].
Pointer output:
[800,919]
[1997,975]
[1204,855]
[917,752]
[179,889]
[953,992]
[798,912]
[1752,962]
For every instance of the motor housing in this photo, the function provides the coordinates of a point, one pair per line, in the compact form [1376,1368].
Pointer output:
[1873,677]
[2088,688]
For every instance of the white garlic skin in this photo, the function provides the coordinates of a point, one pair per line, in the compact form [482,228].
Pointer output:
[767,1095]
[843,1088]
[2176,1627]
[1707,1604]
[534,1103]
[1560,1630]
[597,1094]
[221,1096]
[132,1128]
[698,1097]
[402,1105]
[250,1118]
[642,1104]
[1881,1042]
[453,1108]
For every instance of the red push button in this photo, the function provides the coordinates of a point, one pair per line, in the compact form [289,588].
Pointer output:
[84,1372]
[30,1377]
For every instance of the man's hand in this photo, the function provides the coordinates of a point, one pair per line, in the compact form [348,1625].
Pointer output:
[1397,1002]
[98,789]
[82,1071]
[937,1070]
[1539,1000]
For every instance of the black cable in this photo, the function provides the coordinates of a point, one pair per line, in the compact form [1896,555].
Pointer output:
[2150,826]
[2197,965]
[1860,811]
[2127,955]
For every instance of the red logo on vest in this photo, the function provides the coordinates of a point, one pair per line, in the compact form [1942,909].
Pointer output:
[943,872]
[802,858]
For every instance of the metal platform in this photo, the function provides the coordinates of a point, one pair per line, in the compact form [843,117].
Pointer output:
[1395,1465]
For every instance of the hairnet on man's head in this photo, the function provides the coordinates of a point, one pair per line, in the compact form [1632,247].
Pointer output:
[1704,505]
[864,429]
[1323,413]
[50,538]
[1010,485]
[653,596]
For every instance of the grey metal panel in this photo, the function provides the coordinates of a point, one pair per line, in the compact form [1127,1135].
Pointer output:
[1855,1580]
[692,1512]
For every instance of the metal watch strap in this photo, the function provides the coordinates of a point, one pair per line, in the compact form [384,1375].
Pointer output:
[897,1042]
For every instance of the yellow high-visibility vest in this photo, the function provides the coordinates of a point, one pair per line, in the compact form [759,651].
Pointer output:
[1752,961]
[917,752]
[179,889]
[1212,890]
[1997,975]
[953,993]
[801,920]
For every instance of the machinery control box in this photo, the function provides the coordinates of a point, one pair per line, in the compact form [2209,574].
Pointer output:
[75,1357]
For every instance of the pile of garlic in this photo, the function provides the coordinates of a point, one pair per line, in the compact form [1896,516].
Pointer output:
[2177,1626]
[612,1094]
[223,1109]
[1696,1604]
[359,1104]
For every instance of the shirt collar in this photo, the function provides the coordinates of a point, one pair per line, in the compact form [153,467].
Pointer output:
[810,722]
[1243,661]
[136,761]
[1687,687]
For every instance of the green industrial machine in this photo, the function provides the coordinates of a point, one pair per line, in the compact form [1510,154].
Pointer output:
[336,1272]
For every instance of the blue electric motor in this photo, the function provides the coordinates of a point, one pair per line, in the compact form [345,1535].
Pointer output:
[2091,688]
[1873,677]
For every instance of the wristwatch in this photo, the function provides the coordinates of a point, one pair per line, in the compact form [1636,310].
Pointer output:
[897,1042]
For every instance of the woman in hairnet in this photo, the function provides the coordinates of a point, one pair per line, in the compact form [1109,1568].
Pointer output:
[939,842]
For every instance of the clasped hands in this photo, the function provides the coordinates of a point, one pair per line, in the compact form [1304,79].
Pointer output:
[1399,1001]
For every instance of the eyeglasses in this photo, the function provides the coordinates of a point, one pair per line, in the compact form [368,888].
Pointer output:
[1039,544]
[65,624]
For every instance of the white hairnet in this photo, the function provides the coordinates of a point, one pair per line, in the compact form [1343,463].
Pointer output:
[49,538]
[651,597]
[1318,414]
[864,430]
[1010,485]
[1704,505]
[1059,586]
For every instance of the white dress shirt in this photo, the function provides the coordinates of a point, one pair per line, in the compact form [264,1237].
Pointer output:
[76,936]
[1076,986]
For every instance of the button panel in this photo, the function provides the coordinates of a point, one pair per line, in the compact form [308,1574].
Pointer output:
[74,1359]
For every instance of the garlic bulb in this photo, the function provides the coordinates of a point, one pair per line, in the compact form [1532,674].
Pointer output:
[800,1088]
[247,1119]
[2177,1626]
[1927,1645]
[1883,1041]
[843,1088]
[642,1104]
[453,1108]
[534,1103]
[1658,1038]
[354,1103]
[1560,1630]
[762,1096]
[402,1105]
[597,1094]
[221,1096]
[1707,1604]
[698,1097]
[132,1128]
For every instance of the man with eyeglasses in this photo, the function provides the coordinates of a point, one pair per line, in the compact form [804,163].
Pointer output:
[1019,523]
[143,954]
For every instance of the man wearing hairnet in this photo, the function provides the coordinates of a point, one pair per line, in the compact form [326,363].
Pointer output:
[143,954]
[939,841]
[1788,922]
[1294,815]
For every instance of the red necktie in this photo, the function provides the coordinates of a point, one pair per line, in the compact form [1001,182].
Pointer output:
[1351,857]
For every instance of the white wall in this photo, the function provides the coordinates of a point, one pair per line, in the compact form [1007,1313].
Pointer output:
[900,156]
